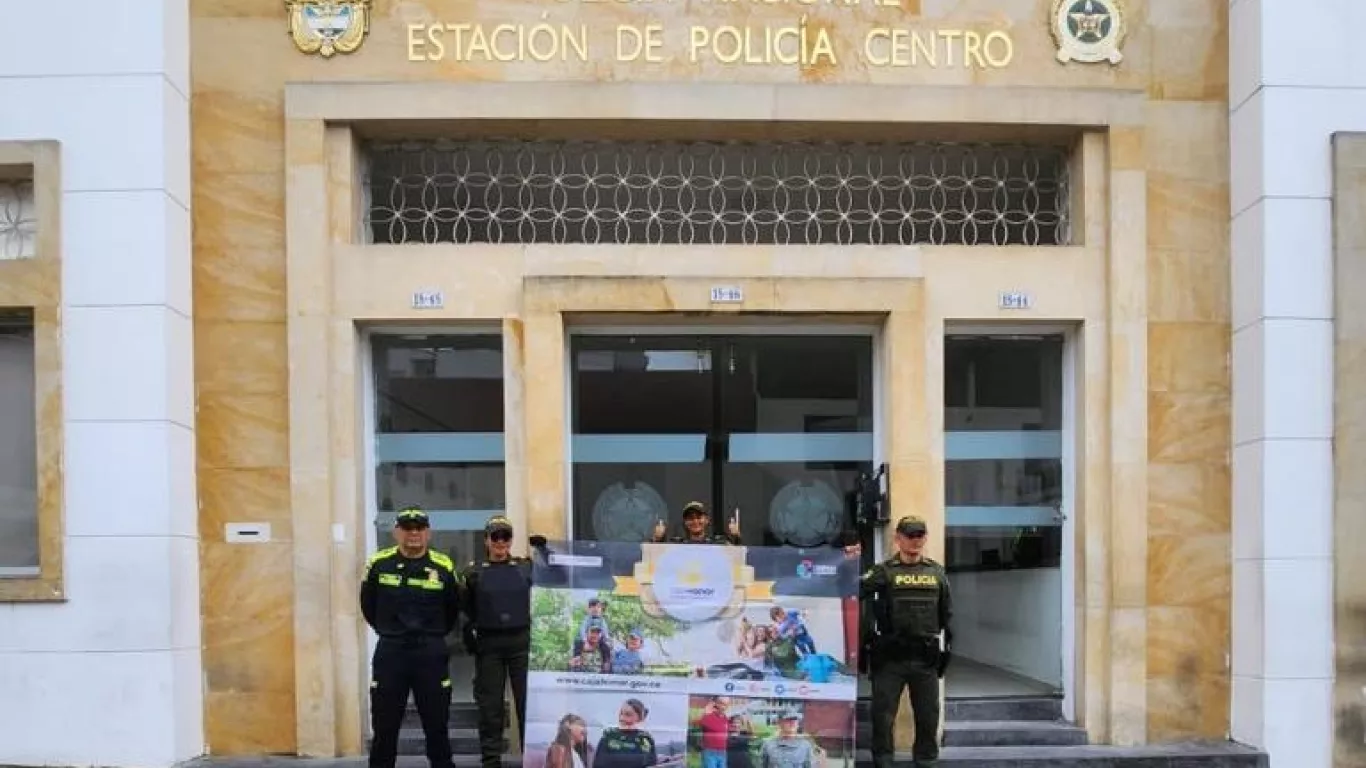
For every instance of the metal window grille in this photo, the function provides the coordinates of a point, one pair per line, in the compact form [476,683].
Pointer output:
[713,193]
[18,220]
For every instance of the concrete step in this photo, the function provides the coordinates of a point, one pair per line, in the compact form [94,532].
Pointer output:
[464,741]
[1207,755]
[1012,733]
[999,733]
[1012,708]
[1210,755]
[464,714]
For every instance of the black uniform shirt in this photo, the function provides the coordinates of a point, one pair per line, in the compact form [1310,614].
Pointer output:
[403,597]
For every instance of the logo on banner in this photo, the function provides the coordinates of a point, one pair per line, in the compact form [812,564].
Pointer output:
[328,27]
[1089,31]
[693,585]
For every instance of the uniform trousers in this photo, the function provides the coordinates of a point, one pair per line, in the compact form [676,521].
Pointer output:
[502,656]
[893,672]
[419,666]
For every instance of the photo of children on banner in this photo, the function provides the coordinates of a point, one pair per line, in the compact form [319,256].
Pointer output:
[592,651]
[615,736]
[761,733]
[782,649]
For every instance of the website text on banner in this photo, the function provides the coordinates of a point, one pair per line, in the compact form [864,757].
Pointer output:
[692,655]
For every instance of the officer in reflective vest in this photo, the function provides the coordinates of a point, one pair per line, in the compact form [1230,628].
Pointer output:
[497,602]
[410,596]
[697,527]
[908,597]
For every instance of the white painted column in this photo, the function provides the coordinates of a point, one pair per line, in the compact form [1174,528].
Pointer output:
[1296,76]
[113,675]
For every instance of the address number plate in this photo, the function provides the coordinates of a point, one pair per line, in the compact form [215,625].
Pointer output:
[1015,300]
[428,299]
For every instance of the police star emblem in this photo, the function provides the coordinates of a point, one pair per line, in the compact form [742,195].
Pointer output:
[1089,31]
[328,27]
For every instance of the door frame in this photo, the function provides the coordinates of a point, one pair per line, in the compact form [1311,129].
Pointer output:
[1071,399]
[872,330]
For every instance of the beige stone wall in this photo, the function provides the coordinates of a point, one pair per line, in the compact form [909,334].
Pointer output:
[282,647]
[1349,450]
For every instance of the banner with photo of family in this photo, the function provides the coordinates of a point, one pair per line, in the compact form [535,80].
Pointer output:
[692,655]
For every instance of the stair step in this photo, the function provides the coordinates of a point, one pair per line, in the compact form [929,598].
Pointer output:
[1211,755]
[464,714]
[1012,708]
[1208,755]
[464,741]
[990,733]
[1012,733]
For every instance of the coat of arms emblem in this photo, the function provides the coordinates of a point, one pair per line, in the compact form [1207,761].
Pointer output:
[328,27]
[1089,31]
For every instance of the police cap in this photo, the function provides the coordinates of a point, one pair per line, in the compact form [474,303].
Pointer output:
[498,524]
[694,508]
[412,517]
[911,525]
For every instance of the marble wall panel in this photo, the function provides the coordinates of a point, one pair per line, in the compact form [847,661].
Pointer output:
[1349,523]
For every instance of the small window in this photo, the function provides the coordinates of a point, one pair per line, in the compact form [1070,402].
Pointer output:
[18,218]
[18,445]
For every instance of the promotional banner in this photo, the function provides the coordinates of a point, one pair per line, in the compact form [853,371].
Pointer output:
[692,655]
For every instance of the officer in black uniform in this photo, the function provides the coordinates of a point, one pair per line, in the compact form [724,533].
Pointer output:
[907,599]
[410,597]
[497,600]
[697,527]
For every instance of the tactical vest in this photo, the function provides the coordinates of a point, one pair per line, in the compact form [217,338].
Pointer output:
[503,596]
[914,592]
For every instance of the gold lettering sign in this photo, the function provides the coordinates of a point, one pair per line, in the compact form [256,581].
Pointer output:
[801,41]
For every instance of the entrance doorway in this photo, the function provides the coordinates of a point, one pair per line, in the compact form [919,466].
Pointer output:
[437,421]
[778,427]
[1006,425]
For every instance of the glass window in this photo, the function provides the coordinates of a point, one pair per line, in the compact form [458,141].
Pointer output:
[643,410]
[18,446]
[439,435]
[1003,451]
[777,426]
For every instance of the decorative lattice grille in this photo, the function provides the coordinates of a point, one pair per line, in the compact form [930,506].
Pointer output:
[18,220]
[709,193]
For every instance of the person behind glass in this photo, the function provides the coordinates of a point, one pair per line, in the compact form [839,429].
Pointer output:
[410,596]
[913,607]
[697,527]
[497,601]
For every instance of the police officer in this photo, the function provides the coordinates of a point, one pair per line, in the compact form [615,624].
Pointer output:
[697,527]
[497,601]
[410,597]
[908,595]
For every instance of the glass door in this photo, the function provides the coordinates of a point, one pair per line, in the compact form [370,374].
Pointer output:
[776,427]
[1003,448]
[439,445]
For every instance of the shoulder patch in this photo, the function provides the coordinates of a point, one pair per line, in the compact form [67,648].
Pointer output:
[375,558]
[380,555]
[442,559]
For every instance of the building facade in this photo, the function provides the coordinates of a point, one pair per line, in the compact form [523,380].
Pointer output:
[1065,270]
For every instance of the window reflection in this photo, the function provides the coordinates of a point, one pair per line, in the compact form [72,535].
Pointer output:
[778,426]
[1003,451]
